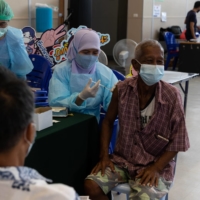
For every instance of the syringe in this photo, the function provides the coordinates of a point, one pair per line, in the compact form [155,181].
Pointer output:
[102,86]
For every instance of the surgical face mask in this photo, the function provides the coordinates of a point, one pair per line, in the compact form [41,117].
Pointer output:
[30,144]
[86,61]
[3,31]
[151,74]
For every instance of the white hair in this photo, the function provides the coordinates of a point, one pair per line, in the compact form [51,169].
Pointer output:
[139,50]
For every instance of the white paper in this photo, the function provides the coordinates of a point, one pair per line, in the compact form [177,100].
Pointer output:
[55,121]
[156,10]
[164,17]
[84,197]
[58,109]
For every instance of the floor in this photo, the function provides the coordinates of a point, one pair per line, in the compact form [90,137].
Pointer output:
[187,180]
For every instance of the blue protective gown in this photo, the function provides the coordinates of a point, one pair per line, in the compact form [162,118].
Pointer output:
[13,54]
[65,86]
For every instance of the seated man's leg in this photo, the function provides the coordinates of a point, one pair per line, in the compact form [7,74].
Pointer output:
[140,192]
[98,186]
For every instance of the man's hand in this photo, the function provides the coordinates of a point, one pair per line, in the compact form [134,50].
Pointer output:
[102,165]
[149,176]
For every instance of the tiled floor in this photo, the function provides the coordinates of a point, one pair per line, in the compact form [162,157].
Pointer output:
[187,180]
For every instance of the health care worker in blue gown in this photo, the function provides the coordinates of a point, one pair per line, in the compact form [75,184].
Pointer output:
[72,84]
[13,54]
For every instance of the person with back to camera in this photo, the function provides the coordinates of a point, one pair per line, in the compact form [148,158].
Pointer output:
[17,135]
[13,54]
[152,131]
[71,85]
[191,22]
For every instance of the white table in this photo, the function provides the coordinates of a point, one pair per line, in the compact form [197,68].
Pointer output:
[173,77]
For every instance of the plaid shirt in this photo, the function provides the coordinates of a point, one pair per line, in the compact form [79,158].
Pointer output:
[137,148]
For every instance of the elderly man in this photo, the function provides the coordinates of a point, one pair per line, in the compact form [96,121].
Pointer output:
[152,131]
[17,135]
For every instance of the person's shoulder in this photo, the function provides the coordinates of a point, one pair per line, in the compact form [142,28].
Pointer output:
[101,66]
[128,81]
[17,33]
[169,91]
[191,13]
[63,66]
[105,74]
[122,86]
[53,192]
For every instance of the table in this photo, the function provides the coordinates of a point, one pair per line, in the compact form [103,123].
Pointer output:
[174,77]
[189,61]
[67,151]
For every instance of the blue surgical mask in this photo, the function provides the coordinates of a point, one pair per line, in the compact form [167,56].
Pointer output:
[151,74]
[85,61]
[3,31]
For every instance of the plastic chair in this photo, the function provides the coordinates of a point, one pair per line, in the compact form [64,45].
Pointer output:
[114,132]
[119,75]
[41,74]
[125,188]
[176,30]
[39,78]
[172,49]
[41,98]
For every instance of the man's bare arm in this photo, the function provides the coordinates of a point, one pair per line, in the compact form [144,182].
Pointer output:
[107,124]
[106,134]
[192,30]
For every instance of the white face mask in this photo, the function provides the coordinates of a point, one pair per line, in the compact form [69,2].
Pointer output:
[151,74]
[3,31]
[30,144]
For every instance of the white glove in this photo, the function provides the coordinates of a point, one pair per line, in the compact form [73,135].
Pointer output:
[89,91]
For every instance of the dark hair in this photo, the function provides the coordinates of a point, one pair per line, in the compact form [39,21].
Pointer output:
[197,4]
[16,106]
[6,76]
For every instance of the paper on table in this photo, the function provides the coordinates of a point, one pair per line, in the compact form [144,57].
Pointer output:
[55,121]
[84,197]
[58,109]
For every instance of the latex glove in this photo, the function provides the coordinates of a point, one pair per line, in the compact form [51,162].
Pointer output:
[89,91]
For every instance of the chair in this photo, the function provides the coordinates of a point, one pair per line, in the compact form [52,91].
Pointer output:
[41,74]
[172,49]
[114,132]
[125,188]
[176,30]
[41,98]
[39,78]
[119,75]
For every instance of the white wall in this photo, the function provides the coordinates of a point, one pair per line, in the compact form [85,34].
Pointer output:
[176,12]
[20,9]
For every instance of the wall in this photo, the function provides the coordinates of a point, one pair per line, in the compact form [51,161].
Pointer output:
[135,20]
[110,16]
[145,26]
[21,12]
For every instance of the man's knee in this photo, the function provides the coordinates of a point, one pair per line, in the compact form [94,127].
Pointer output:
[92,188]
